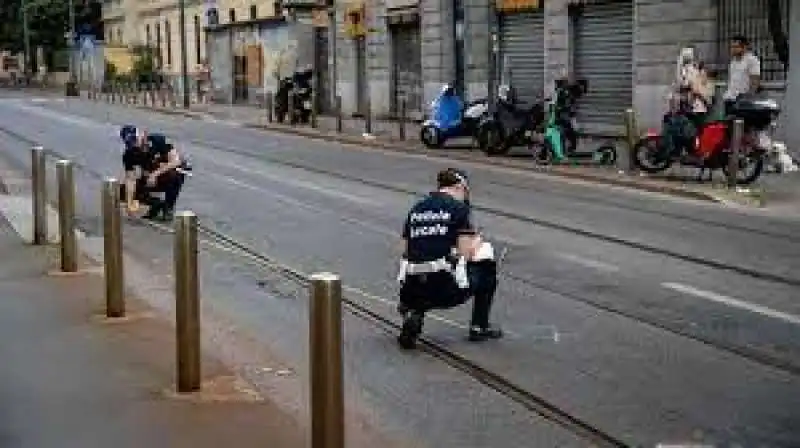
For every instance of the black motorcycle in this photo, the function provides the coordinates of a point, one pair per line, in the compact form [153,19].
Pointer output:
[511,123]
[297,89]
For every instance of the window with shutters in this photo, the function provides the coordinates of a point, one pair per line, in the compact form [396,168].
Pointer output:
[255,65]
[168,38]
[159,56]
[197,39]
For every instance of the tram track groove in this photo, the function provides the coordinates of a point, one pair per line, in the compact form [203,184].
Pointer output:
[743,352]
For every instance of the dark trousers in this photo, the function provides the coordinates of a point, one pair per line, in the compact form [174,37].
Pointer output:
[421,293]
[169,183]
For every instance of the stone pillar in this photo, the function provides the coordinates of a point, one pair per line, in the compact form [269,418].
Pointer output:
[790,118]
[476,48]
[660,30]
[557,43]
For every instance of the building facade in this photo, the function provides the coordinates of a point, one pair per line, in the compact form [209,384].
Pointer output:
[155,24]
[378,55]
[626,49]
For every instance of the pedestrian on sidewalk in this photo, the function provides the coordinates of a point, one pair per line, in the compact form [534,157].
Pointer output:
[744,72]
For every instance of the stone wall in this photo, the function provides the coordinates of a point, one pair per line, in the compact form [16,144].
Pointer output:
[662,27]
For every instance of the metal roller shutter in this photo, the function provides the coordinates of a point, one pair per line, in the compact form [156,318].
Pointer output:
[407,67]
[522,52]
[604,56]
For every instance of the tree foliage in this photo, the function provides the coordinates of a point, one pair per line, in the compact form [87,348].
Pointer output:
[48,23]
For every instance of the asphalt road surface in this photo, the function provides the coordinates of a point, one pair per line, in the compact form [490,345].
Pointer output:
[654,319]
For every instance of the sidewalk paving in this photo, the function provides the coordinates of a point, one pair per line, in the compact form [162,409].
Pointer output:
[71,378]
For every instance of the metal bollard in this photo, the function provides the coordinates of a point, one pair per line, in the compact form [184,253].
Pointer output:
[66,216]
[290,108]
[736,147]
[338,114]
[402,128]
[368,118]
[270,101]
[314,108]
[325,350]
[187,302]
[112,250]
[39,187]
[632,136]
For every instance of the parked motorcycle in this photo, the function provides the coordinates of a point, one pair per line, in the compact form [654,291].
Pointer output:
[512,123]
[712,146]
[296,88]
[450,118]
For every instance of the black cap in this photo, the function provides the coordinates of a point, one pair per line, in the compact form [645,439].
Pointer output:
[452,176]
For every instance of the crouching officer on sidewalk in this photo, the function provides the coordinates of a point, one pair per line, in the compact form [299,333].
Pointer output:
[445,261]
[162,170]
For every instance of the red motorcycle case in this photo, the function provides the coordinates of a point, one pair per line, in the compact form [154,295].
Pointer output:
[711,140]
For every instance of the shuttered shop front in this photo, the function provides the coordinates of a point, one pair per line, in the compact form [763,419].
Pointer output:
[603,55]
[522,52]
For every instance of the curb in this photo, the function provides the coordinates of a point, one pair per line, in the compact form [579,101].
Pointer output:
[397,147]
[348,139]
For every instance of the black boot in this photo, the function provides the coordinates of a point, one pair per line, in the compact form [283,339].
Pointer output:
[168,214]
[156,207]
[479,334]
[412,328]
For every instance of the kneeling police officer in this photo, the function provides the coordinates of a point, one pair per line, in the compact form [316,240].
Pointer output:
[161,169]
[445,261]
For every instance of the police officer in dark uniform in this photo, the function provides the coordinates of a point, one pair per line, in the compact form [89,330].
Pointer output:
[443,266]
[161,169]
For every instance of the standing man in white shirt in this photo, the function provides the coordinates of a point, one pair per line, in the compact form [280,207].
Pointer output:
[744,71]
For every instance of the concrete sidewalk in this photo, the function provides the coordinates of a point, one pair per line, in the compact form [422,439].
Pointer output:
[71,378]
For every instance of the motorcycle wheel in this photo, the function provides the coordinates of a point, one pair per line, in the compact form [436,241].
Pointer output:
[750,168]
[606,154]
[492,141]
[648,155]
[430,137]
[543,154]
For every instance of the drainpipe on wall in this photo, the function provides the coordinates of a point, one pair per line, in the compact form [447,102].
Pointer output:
[494,50]
[333,50]
[458,47]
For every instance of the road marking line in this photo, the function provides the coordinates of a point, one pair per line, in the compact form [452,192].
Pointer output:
[303,205]
[296,182]
[588,262]
[736,303]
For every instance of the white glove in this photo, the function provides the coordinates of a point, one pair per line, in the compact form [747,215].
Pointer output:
[485,252]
